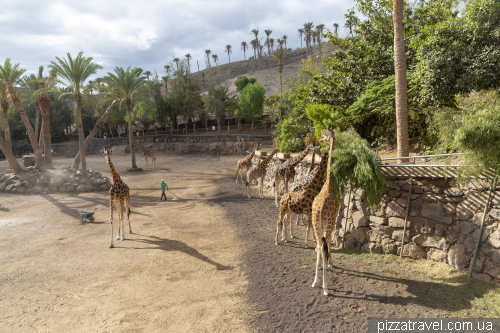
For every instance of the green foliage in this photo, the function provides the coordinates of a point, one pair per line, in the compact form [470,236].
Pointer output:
[323,116]
[356,166]
[290,134]
[459,55]
[251,102]
[242,81]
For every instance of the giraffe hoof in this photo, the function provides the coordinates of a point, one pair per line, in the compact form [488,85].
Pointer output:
[117,237]
[111,245]
[313,285]
[325,292]
[131,232]
[122,238]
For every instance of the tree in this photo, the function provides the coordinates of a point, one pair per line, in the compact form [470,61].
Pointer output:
[261,47]
[336,27]
[10,157]
[301,33]
[75,72]
[251,102]
[12,95]
[255,43]
[401,84]
[285,38]
[228,51]
[308,29]
[242,81]
[279,55]
[271,42]
[215,57]
[176,61]
[207,53]
[13,73]
[188,58]
[280,43]
[268,43]
[126,86]
[255,46]
[244,47]
[148,74]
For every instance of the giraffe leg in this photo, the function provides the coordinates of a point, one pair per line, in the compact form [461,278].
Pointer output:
[276,185]
[237,171]
[318,258]
[249,181]
[119,235]
[285,225]
[280,224]
[324,254]
[262,186]
[111,224]
[291,226]
[127,202]
[308,228]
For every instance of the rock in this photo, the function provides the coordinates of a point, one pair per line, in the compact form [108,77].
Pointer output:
[437,255]
[412,196]
[372,236]
[359,235]
[453,192]
[62,188]
[397,235]
[21,190]
[492,253]
[402,202]
[451,237]
[430,240]
[464,211]
[495,213]
[56,181]
[435,212]
[414,251]
[29,191]
[482,276]
[2,187]
[470,244]
[37,189]
[393,209]
[29,160]
[466,227]
[439,229]
[9,188]
[388,246]
[372,247]
[88,188]
[104,187]
[80,189]
[70,188]
[494,239]
[377,220]
[492,268]
[457,256]
[96,183]
[421,225]
[397,222]
[394,193]
[359,219]
[383,231]
[96,188]
[479,263]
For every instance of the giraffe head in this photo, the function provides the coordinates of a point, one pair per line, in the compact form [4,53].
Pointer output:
[107,153]
[328,134]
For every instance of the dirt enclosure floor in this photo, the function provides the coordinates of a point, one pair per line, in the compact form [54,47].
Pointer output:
[205,263]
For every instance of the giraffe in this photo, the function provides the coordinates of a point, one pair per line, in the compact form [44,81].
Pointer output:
[119,197]
[245,162]
[259,171]
[147,153]
[286,171]
[325,209]
[300,202]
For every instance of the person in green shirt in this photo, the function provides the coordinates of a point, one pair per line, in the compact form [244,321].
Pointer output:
[163,186]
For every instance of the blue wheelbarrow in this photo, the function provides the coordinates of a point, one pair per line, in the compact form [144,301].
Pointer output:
[87,216]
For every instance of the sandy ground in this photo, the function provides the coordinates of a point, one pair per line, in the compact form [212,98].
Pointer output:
[179,271]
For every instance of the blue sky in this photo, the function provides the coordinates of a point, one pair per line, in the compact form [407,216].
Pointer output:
[148,34]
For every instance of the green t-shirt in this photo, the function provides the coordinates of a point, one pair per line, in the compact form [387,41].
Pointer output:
[163,185]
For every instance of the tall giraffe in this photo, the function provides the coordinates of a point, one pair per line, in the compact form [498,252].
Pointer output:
[286,171]
[300,202]
[119,197]
[259,171]
[245,162]
[147,153]
[325,209]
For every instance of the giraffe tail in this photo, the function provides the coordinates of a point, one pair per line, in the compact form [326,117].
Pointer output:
[246,184]
[325,246]
[128,211]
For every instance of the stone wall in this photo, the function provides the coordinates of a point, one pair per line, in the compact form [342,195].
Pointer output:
[188,144]
[443,225]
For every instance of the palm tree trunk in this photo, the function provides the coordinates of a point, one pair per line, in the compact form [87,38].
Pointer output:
[130,134]
[79,126]
[218,125]
[5,107]
[45,109]
[401,83]
[10,157]
[37,116]
[31,133]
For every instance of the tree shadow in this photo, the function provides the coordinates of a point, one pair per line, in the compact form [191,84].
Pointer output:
[175,245]
[2,209]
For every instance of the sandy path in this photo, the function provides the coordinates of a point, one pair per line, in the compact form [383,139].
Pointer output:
[179,271]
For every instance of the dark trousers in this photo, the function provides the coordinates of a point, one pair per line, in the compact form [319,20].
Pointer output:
[163,195]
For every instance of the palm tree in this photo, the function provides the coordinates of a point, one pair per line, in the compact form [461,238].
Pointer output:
[280,43]
[336,27]
[256,34]
[285,37]
[320,28]
[255,46]
[301,33]
[207,53]
[308,28]
[401,83]
[147,73]
[271,42]
[167,70]
[244,47]
[176,60]
[215,57]
[228,51]
[75,72]
[279,55]
[30,84]
[261,47]
[188,58]
[126,86]
[268,43]
[349,24]
[13,73]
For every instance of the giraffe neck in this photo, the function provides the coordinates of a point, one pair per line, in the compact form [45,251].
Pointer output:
[332,142]
[140,146]
[299,158]
[252,153]
[114,173]
[312,161]
[268,159]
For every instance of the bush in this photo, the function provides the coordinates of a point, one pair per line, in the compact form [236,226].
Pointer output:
[291,135]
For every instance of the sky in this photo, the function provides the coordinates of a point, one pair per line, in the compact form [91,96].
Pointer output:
[149,34]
